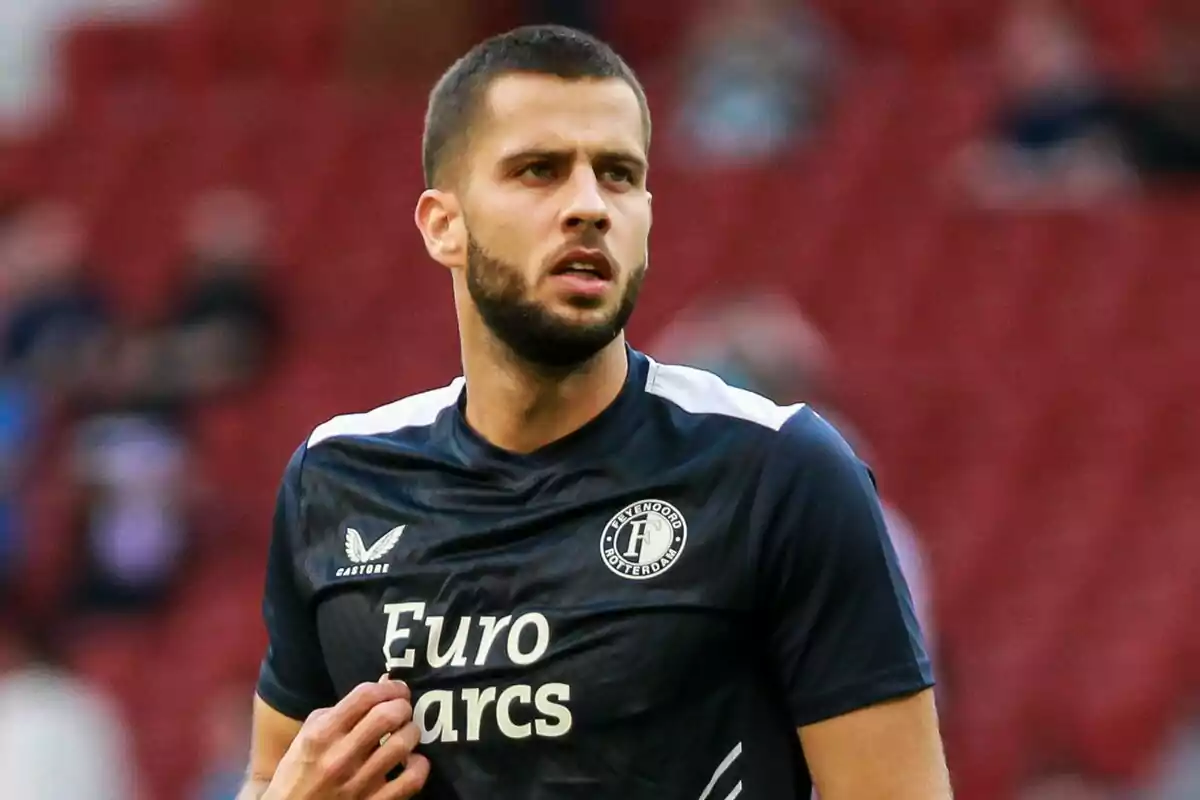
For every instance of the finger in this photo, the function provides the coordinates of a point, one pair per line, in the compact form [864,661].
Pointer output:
[381,720]
[315,734]
[392,753]
[361,699]
[351,750]
[342,754]
[407,783]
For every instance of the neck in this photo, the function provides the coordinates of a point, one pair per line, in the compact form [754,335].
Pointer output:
[520,408]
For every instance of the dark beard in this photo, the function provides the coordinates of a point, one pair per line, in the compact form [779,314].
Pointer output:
[531,332]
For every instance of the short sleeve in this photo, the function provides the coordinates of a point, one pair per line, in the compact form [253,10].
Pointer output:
[293,679]
[839,621]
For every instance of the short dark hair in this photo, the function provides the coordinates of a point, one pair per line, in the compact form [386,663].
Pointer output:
[533,49]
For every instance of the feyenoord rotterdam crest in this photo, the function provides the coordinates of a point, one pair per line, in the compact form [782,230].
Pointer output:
[643,539]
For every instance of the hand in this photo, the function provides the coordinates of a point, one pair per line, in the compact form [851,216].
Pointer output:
[338,754]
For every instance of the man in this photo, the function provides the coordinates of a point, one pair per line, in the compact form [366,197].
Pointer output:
[591,575]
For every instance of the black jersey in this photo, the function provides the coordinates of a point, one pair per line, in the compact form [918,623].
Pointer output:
[647,608]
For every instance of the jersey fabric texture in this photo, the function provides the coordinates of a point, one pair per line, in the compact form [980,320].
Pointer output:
[649,606]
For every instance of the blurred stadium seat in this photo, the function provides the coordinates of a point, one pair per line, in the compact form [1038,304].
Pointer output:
[1029,381]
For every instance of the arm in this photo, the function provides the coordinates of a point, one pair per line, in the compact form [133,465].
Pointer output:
[340,752]
[891,749]
[343,748]
[292,680]
[841,630]
[271,736]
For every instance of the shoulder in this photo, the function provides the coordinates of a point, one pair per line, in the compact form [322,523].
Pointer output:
[798,439]
[414,411]
[700,393]
[812,469]
[809,440]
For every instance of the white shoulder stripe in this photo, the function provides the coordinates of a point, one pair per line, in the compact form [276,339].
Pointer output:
[409,412]
[700,392]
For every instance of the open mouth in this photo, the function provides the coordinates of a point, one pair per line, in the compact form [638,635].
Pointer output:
[588,264]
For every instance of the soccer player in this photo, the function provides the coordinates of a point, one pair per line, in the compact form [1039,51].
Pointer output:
[580,573]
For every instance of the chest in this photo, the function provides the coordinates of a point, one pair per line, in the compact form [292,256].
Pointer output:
[535,609]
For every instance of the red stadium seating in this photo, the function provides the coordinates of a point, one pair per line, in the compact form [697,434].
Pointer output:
[1028,382]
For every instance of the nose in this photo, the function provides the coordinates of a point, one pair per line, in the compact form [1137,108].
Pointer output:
[586,208]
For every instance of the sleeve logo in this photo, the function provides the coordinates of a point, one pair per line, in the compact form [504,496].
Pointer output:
[362,556]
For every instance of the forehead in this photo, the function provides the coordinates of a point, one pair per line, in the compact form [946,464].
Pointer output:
[545,112]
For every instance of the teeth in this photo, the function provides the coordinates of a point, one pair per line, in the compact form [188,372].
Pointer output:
[579,266]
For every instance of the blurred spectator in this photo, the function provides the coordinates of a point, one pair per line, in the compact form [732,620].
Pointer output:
[221,327]
[16,431]
[226,732]
[224,323]
[1177,775]
[756,75]
[1055,141]
[60,341]
[1161,126]
[135,519]
[54,325]
[57,323]
[762,342]
[132,450]
[758,339]
[911,553]
[1066,784]
[59,737]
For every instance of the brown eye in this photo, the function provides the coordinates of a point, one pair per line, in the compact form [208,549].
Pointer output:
[538,170]
[617,175]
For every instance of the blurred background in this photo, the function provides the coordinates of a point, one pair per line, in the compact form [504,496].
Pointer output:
[968,231]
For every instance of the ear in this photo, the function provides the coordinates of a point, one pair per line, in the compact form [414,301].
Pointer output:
[439,218]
